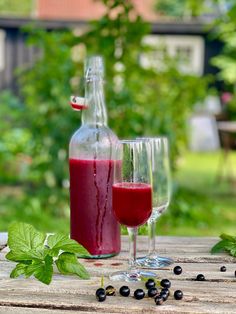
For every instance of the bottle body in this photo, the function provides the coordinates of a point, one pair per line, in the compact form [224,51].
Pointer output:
[91,163]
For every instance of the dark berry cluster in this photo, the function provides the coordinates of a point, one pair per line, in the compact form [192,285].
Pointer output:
[152,292]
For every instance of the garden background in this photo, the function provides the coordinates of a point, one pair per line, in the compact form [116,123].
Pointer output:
[37,122]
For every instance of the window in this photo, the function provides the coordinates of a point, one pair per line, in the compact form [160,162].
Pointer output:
[188,49]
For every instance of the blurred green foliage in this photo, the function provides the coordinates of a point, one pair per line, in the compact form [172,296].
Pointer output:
[181,8]
[140,100]
[226,61]
[15,142]
[16,7]
[191,9]
[225,31]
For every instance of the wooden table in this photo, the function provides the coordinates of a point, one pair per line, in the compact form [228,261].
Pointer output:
[68,294]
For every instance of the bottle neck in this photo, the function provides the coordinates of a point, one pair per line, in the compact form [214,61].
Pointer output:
[96,113]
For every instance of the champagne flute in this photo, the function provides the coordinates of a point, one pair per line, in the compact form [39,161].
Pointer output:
[160,199]
[132,197]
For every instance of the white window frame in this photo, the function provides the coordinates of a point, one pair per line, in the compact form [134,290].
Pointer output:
[172,43]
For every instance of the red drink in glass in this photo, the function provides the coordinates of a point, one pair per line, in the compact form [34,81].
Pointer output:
[132,203]
[93,223]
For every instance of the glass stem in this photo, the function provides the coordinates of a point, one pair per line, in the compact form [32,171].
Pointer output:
[151,237]
[132,249]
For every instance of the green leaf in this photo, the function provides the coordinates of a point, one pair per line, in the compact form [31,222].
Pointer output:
[220,246]
[41,270]
[58,242]
[67,263]
[233,251]
[19,256]
[23,237]
[228,243]
[27,247]
[18,270]
[228,237]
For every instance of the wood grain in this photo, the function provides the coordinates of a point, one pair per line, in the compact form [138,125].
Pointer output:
[28,310]
[69,294]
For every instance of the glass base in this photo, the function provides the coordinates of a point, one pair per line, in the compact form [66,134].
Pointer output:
[154,262]
[131,276]
[97,256]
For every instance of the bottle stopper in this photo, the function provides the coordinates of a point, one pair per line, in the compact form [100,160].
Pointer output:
[78,103]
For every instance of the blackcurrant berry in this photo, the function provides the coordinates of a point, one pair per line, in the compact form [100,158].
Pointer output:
[110,290]
[165,290]
[159,300]
[178,295]
[223,268]
[150,283]
[165,283]
[152,292]
[101,296]
[164,295]
[139,294]
[124,291]
[200,277]
[177,270]
[100,290]
[235,273]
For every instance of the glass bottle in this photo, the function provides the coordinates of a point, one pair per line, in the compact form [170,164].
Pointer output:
[91,161]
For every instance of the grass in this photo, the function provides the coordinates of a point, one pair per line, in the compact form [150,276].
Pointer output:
[201,204]
[17,206]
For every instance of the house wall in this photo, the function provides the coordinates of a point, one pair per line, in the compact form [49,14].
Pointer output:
[14,52]
[87,9]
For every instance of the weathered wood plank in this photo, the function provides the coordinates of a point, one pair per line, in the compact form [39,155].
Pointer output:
[196,308]
[27,310]
[62,287]
[72,285]
[68,293]
[193,291]
[178,258]
[180,241]
[181,249]
[190,270]
[192,303]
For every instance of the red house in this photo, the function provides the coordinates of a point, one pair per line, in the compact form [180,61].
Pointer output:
[86,9]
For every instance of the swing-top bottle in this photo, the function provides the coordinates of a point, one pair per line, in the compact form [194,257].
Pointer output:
[91,161]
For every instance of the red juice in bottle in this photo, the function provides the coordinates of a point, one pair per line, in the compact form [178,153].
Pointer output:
[132,203]
[93,223]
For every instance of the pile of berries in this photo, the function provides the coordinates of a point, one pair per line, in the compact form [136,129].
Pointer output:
[152,292]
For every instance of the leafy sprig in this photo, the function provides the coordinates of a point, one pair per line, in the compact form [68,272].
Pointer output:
[35,256]
[226,244]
